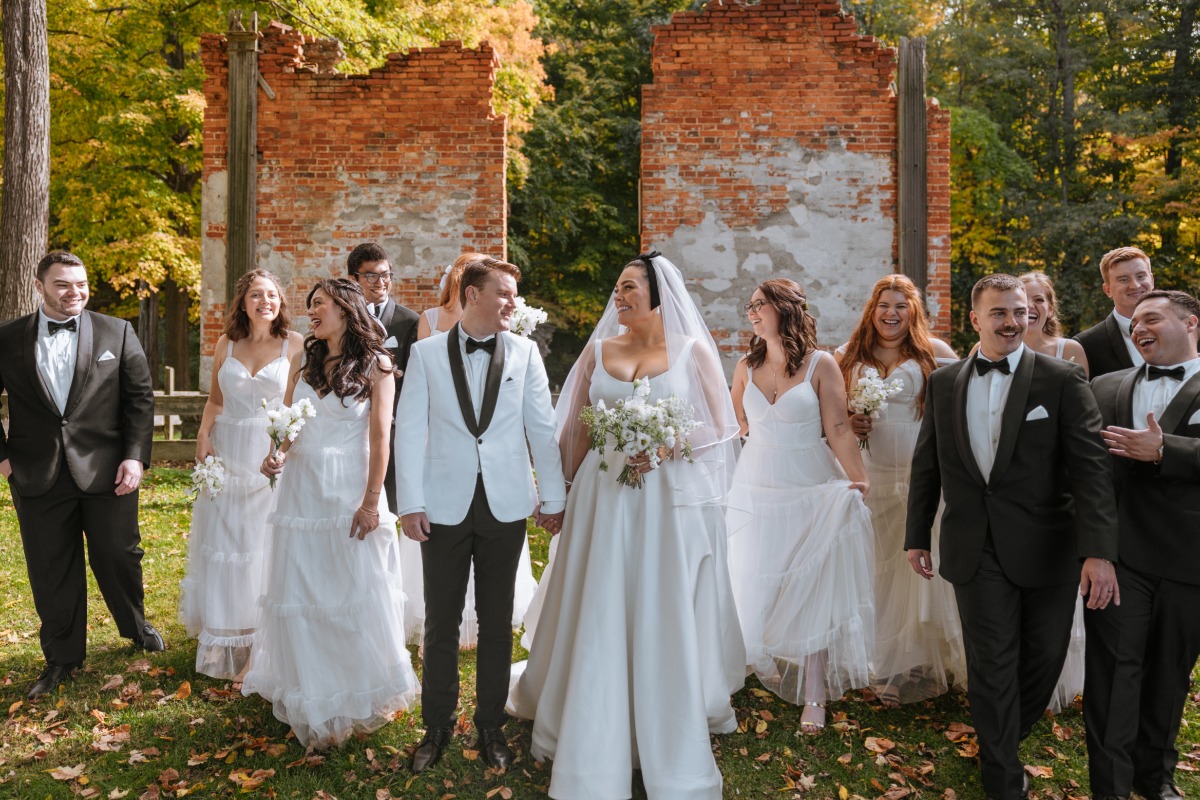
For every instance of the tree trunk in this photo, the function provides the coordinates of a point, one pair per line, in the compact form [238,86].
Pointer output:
[147,328]
[25,196]
[176,347]
[1180,102]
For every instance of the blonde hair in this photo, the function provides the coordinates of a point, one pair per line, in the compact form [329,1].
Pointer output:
[1051,326]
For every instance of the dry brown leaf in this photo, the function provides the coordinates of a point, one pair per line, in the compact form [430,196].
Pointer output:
[764,758]
[275,750]
[879,745]
[13,708]
[66,773]
[152,793]
[1039,772]
[767,715]
[384,794]
[806,782]
[1062,733]
[323,795]
[968,749]
[845,758]
[117,794]
[168,776]
[958,731]
[196,759]
[113,682]
[469,754]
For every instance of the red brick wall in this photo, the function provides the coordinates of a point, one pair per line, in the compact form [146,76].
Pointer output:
[410,155]
[769,149]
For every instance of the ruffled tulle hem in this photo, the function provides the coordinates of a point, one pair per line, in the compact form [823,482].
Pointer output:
[276,609]
[324,525]
[330,720]
[841,656]
[224,658]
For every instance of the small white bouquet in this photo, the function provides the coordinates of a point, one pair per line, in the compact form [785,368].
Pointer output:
[525,318]
[208,477]
[870,396]
[284,422]
[636,426]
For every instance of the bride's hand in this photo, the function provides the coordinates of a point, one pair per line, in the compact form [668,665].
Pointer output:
[272,465]
[365,520]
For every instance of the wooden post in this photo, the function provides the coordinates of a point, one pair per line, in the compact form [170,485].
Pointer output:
[242,156]
[912,208]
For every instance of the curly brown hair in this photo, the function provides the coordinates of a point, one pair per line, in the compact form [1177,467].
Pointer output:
[237,322]
[348,374]
[797,328]
[917,346]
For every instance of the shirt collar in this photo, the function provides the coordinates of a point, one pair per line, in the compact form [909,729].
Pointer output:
[1013,358]
[44,321]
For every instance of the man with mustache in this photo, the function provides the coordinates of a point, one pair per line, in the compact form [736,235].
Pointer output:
[1140,655]
[1011,439]
[1127,277]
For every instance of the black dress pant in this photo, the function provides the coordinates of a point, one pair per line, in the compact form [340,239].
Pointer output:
[495,549]
[54,526]
[1140,656]
[1016,642]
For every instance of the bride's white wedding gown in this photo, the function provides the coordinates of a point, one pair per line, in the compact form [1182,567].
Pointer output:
[635,642]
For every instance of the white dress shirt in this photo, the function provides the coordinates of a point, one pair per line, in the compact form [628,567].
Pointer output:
[986,397]
[476,365]
[1156,395]
[1126,326]
[56,356]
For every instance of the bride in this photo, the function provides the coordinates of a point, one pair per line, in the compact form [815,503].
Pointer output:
[635,640]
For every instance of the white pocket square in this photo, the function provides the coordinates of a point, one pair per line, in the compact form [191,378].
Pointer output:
[1037,413]
[391,342]
[1194,419]
[106,356]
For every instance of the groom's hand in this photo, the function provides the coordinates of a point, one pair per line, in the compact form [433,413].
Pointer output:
[922,563]
[416,526]
[129,476]
[551,523]
[1098,583]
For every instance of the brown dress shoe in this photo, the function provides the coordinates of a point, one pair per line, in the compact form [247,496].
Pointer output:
[429,751]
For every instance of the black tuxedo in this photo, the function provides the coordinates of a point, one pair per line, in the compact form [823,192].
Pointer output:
[1104,346]
[1012,544]
[400,324]
[64,467]
[1140,654]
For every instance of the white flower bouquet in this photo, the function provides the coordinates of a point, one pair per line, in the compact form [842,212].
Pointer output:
[284,422]
[525,318]
[870,396]
[635,426]
[208,477]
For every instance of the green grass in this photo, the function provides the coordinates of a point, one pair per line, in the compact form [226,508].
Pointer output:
[188,735]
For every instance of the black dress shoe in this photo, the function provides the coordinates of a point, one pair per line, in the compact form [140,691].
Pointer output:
[430,749]
[50,678]
[1167,791]
[151,639]
[494,748]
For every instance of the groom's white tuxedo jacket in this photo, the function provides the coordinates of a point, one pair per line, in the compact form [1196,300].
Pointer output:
[439,453]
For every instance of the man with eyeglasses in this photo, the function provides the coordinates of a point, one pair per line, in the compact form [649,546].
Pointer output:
[368,265]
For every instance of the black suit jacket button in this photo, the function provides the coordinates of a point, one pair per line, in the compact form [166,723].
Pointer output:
[65,422]
[987,493]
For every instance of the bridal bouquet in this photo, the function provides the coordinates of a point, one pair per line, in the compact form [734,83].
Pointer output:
[636,426]
[284,422]
[526,318]
[870,396]
[208,477]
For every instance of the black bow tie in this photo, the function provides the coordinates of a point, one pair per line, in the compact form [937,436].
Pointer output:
[70,325]
[1174,373]
[983,366]
[475,344]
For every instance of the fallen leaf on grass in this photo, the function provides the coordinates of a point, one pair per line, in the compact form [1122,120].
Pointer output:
[879,745]
[1039,772]
[323,795]
[968,749]
[949,794]
[117,794]
[152,793]
[13,708]
[958,731]
[275,750]
[504,792]
[113,682]
[248,781]
[66,773]
[845,758]
[767,715]
[1062,733]
[806,782]
[470,755]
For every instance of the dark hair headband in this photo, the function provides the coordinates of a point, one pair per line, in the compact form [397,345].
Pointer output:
[651,277]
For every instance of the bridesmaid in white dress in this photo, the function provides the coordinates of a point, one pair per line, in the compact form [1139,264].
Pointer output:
[440,319]
[918,641]
[331,656]
[636,649]
[218,602]
[801,565]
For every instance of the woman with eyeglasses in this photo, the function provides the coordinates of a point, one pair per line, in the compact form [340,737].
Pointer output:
[918,641]
[800,546]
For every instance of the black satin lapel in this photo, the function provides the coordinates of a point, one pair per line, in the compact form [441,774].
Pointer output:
[85,357]
[389,310]
[1014,412]
[962,435]
[1117,340]
[1124,417]
[459,372]
[31,332]
[491,388]
[1175,414]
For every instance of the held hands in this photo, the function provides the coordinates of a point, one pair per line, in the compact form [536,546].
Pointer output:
[861,425]
[129,476]
[1137,445]
[415,526]
[922,563]
[1098,583]
[551,523]
[272,465]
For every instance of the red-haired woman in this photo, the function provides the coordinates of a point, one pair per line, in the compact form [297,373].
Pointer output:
[918,644]
[801,563]
[218,602]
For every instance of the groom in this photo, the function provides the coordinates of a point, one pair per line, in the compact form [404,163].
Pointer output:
[475,404]
[1011,439]
[81,417]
